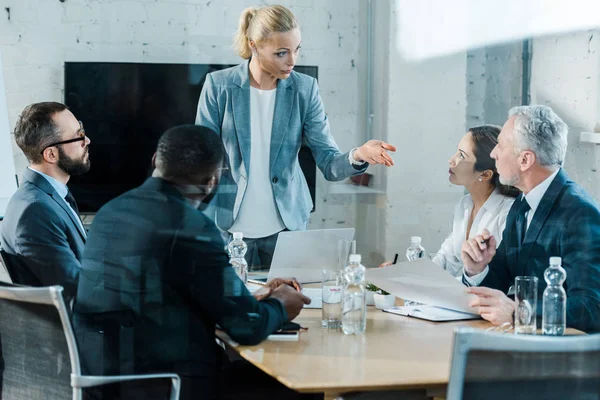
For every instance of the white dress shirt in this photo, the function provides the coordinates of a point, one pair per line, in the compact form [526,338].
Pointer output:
[491,216]
[534,197]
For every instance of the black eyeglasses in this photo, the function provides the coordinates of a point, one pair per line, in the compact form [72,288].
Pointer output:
[81,137]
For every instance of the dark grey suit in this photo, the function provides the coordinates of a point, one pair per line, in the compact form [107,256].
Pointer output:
[154,282]
[41,238]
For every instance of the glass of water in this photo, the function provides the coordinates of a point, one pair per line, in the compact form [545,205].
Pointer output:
[345,248]
[332,299]
[526,311]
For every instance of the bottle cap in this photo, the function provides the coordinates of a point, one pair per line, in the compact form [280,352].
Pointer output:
[238,235]
[355,258]
[415,240]
[555,261]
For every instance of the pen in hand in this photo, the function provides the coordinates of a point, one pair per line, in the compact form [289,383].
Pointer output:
[395,259]
[486,240]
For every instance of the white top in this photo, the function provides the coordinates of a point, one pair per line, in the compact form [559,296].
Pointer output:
[62,191]
[491,216]
[534,197]
[258,216]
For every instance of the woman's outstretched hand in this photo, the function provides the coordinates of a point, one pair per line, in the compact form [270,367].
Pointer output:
[375,152]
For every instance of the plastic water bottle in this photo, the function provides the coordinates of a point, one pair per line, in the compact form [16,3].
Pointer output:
[554,311]
[354,308]
[237,249]
[414,252]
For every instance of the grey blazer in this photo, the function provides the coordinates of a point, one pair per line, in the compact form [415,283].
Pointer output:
[42,241]
[299,116]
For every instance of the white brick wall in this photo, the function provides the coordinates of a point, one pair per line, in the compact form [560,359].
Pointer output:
[566,76]
[42,34]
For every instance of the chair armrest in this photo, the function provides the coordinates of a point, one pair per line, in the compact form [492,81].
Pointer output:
[86,381]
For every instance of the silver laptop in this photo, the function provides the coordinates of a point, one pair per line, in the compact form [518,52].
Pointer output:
[304,254]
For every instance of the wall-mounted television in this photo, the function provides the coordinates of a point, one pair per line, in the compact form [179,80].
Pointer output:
[125,107]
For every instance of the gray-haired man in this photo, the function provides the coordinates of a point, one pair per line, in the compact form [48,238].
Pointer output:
[553,217]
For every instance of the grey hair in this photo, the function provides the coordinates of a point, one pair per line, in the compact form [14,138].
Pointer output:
[539,129]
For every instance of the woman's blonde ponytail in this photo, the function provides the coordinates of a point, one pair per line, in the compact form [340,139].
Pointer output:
[240,40]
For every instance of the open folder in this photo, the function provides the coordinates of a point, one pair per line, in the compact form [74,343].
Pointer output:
[425,282]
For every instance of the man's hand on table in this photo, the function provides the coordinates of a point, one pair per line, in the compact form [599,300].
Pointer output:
[268,288]
[493,305]
[293,300]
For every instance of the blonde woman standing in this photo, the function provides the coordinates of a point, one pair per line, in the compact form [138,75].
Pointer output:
[264,110]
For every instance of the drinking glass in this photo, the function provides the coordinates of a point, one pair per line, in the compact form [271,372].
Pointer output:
[332,299]
[526,297]
[345,247]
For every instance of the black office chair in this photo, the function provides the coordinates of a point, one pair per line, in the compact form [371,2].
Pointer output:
[38,351]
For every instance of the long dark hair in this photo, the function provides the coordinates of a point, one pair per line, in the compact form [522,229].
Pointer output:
[485,138]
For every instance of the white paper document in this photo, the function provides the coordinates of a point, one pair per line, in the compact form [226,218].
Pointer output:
[315,294]
[425,282]
[316,297]
[431,313]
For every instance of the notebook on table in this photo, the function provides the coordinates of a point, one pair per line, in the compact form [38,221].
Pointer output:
[444,298]
[431,313]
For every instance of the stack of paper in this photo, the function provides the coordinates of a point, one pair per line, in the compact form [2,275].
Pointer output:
[425,282]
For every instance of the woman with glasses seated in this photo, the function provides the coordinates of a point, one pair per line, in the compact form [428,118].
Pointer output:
[264,111]
[487,203]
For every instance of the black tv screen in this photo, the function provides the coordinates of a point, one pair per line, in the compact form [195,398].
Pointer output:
[125,107]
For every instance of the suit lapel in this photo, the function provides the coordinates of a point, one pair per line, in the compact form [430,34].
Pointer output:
[542,212]
[41,182]
[241,111]
[284,103]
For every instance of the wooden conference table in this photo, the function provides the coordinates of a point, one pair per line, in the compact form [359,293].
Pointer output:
[396,353]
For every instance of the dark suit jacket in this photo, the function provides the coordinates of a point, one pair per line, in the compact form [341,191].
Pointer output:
[156,280]
[566,224]
[42,240]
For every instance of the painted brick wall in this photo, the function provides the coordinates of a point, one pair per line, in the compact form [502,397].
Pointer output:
[38,36]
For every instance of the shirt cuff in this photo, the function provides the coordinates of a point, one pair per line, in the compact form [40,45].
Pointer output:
[353,161]
[475,280]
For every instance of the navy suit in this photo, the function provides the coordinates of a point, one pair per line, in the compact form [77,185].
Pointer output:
[155,281]
[41,239]
[566,224]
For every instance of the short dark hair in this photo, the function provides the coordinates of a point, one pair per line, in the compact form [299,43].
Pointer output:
[485,138]
[35,129]
[188,150]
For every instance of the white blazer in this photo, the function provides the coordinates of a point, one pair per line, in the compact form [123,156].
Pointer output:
[491,216]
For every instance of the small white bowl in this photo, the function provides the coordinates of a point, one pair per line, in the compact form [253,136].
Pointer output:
[370,298]
[383,301]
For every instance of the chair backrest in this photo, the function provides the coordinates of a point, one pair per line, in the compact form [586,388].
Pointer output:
[505,366]
[4,274]
[38,352]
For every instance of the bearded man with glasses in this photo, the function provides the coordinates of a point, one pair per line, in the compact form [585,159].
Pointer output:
[42,235]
